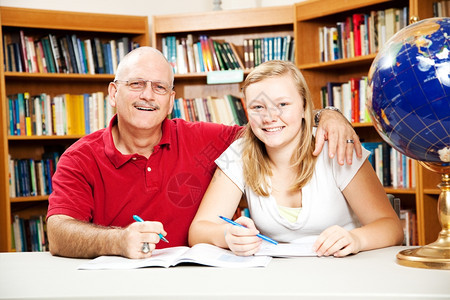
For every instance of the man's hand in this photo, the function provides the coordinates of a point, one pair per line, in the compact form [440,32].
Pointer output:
[73,238]
[337,130]
[136,234]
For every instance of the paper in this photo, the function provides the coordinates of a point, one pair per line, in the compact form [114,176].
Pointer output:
[203,254]
[286,250]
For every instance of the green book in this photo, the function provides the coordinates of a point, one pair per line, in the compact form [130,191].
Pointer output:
[48,55]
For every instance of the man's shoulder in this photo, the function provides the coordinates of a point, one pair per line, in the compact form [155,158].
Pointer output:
[90,141]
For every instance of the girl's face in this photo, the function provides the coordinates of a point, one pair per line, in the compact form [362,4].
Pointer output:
[275,111]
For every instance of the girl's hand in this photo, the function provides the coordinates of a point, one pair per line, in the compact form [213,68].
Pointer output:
[336,241]
[243,241]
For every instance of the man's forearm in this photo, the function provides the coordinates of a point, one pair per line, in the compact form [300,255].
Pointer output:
[73,238]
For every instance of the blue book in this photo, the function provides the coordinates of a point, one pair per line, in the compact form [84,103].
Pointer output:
[17,116]
[107,58]
[200,55]
[176,109]
[87,123]
[21,119]
[12,117]
[23,234]
[72,54]
[48,176]
[371,146]
[17,177]
[83,57]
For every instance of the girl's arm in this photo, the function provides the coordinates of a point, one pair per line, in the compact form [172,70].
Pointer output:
[381,226]
[221,199]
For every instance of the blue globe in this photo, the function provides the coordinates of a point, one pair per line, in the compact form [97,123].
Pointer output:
[409,91]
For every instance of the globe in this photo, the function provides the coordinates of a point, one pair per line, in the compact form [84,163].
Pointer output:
[409,101]
[409,91]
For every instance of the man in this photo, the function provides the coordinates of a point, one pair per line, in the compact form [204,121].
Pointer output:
[144,164]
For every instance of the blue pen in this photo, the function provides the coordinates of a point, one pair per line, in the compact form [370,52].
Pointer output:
[258,235]
[139,219]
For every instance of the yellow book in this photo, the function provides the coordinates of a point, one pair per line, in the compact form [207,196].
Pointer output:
[69,114]
[80,114]
[28,112]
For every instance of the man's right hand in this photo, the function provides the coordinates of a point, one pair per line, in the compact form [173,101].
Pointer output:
[73,238]
[138,233]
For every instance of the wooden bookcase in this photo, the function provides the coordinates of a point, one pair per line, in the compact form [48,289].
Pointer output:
[232,26]
[311,15]
[38,23]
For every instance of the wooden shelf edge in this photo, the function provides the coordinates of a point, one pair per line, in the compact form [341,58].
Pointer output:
[399,190]
[224,20]
[340,63]
[63,20]
[360,125]
[432,191]
[315,9]
[43,137]
[28,199]
[57,76]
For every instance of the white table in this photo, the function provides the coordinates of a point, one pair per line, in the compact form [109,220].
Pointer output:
[367,275]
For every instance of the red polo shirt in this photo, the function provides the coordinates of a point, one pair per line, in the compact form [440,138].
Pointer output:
[94,182]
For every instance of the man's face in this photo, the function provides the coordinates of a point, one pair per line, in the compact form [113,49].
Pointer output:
[139,107]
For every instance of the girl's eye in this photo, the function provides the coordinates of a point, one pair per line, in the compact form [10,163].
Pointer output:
[282,104]
[257,107]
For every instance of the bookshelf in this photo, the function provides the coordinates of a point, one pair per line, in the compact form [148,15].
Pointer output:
[232,26]
[38,23]
[309,17]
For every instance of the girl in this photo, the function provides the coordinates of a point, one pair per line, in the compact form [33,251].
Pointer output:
[291,194]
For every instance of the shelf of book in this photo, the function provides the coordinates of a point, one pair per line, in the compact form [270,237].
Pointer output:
[24,72]
[233,27]
[339,59]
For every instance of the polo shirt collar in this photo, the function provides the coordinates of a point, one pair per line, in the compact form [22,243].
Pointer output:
[116,157]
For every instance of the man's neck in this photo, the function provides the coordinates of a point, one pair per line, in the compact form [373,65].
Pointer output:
[139,142]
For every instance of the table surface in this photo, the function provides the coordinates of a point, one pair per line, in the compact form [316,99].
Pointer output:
[366,275]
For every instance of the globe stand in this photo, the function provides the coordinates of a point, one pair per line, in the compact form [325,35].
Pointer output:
[435,255]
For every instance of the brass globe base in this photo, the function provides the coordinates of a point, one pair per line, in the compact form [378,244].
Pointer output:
[432,256]
[435,255]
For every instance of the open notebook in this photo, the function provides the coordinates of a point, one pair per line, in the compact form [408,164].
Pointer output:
[203,254]
[299,247]
[286,250]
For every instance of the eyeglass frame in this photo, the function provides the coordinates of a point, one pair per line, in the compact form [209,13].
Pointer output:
[152,82]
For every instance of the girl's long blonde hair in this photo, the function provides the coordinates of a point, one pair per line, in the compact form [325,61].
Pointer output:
[255,159]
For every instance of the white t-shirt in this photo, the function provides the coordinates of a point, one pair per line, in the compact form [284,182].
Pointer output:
[323,203]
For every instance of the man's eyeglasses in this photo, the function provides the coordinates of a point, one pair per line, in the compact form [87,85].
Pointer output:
[138,85]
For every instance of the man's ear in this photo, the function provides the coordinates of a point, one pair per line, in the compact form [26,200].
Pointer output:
[172,101]
[112,92]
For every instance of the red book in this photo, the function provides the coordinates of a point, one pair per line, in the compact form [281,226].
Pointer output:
[358,20]
[23,46]
[186,109]
[354,87]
